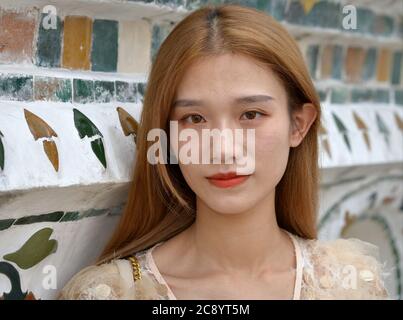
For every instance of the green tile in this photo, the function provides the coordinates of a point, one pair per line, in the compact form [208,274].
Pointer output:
[383,25]
[337,62]
[361,95]
[93,213]
[117,210]
[16,87]
[98,148]
[381,96]
[339,95]
[369,68]
[383,129]
[159,32]
[397,67]
[325,14]
[83,91]
[312,57]
[9,271]
[49,43]
[365,20]
[340,125]
[104,53]
[34,250]
[70,216]
[399,97]
[52,89]
[104,91]
[126,92]
[6,223]
[322,95]
[2,158]
[47,217]
[141,90]
[84,125]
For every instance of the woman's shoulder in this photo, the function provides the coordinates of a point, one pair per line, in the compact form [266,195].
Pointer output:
[342,269]
[119,279]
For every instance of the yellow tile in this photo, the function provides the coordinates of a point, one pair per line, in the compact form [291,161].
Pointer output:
[77,42]
[326,62]
[353,64]
[383,65]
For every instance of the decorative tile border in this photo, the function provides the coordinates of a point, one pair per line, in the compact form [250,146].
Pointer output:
[59,216]
[334,208]
[18,87]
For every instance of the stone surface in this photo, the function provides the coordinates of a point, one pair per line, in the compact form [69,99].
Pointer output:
[49,43]
[126,92]
[16,87]
[83,91]
[134,46]
[52,89]
[17,30]
[104,91]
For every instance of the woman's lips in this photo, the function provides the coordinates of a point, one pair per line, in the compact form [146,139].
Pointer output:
[227,180]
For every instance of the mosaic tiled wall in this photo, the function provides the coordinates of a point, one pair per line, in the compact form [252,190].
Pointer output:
[69,112]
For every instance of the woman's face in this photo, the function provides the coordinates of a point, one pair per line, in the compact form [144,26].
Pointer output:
[216,85]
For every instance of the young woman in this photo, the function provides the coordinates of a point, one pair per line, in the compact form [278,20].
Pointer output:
[209,230]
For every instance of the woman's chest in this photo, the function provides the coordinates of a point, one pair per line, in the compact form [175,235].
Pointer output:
[279,286]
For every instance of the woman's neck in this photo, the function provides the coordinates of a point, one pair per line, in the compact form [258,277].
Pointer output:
[245,242]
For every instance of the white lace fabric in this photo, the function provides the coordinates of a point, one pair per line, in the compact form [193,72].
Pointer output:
[339,269]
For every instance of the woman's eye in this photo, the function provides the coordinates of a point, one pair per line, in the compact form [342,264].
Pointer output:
[250,115]
[194,118]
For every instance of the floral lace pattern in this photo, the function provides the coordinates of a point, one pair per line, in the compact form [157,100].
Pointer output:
[339,269]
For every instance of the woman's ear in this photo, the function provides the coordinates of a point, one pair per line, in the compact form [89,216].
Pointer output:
[302,120]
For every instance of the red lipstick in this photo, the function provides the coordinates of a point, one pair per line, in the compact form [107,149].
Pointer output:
[227,180]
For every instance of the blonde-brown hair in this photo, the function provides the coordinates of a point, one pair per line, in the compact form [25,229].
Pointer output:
[160,204]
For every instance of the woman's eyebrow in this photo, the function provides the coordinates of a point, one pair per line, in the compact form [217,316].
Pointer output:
[239,100]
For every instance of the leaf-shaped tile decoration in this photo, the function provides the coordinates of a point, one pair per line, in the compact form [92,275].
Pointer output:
[347,141]
[359,122]
[34,250]
[362,126]
[383,128]
[51,151]
[84,125]
[322,129]
[326,146]
[367,140]
[308,5]
[1,152]
[98,148]
[12,274]
[128,123]
[340,125]
[40,129]
[399,121]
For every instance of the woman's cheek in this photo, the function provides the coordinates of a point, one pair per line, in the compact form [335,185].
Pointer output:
[271,153]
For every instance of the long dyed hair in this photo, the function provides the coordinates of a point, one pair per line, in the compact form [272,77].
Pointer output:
[160,204]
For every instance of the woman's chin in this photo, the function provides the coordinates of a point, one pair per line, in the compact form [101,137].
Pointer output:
[225,205]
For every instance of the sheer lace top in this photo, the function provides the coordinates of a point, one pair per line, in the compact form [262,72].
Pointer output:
[339,269]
